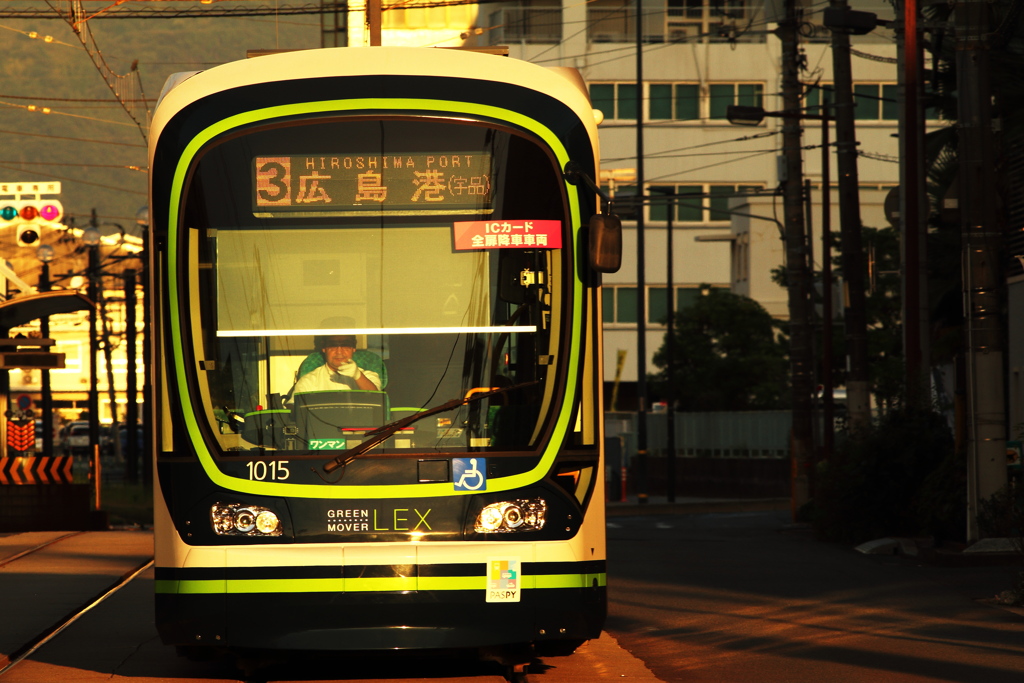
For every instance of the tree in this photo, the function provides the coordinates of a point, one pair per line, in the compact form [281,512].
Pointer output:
[729,355]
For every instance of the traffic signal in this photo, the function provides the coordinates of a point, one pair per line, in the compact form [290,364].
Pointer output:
[30,216]
[28,234]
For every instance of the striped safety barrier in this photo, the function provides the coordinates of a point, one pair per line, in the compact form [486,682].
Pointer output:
[41,469]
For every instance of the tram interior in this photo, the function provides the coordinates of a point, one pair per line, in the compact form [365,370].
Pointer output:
[430,322]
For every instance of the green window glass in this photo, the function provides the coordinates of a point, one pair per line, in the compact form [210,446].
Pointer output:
[865,98]
[661,101]
[890,103]
[719,199]
[721,96]
[657,305]
[687,102]
[608,306]
[626,101]
[659,202]
[690,204]
[749,94]
[812,99]
[625,304]
[686,297]
[602,97]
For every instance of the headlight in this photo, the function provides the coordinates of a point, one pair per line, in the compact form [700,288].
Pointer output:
[234,519]
[511,515]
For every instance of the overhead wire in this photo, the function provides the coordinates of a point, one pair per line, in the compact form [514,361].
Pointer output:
[64,137]
[49,111]
[126,167]
[50,176]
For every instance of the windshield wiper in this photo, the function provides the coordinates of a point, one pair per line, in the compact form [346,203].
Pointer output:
[381,434]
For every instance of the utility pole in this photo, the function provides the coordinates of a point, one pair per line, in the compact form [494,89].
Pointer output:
[980,240]
[855,314]
[131,453]
[802,440]
[641,272]
[828,405]
[373,21]
[94,276]
[670,352]
[46,387]
[914,238]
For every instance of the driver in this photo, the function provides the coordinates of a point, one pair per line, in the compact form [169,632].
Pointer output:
[339,372]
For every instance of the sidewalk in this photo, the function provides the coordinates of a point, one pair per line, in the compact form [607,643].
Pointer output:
[688,505]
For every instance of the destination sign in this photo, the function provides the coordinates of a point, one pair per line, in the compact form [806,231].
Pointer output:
[358,184]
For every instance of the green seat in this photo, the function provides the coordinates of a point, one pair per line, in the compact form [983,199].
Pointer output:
[366,360]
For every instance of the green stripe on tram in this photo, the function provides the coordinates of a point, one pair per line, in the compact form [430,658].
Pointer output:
[366,585]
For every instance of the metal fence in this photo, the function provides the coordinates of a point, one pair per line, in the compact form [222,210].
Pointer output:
[755,434]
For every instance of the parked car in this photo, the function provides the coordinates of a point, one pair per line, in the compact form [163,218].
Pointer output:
[123,430]
[75,438]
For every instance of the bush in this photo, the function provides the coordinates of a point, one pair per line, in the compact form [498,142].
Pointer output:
[897,480]
[1002,514]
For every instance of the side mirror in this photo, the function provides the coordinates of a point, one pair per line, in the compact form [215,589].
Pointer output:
[605,243]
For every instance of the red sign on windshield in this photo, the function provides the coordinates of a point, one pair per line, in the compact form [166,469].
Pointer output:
[515,234]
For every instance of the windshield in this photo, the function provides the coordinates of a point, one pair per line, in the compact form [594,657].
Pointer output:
[348,273]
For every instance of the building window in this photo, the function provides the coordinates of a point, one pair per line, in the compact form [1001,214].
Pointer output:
[615,100]
[431,16]
[876,102]
[611,21]
[620,302]
[872,101]
[528,23]
[674,101]
[677,21]
[721,95]
[713,21]
[697,203]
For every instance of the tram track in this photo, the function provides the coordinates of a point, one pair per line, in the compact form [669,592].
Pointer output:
[36,548]
[32,644]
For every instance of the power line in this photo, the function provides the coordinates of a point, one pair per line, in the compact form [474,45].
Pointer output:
[48,111]
[104,100]
[656,155]
[125,167]
[63,137]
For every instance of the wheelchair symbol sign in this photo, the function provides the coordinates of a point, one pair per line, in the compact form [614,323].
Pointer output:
[469,474]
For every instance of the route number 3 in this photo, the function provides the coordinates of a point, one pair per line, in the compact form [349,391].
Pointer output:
[261,470]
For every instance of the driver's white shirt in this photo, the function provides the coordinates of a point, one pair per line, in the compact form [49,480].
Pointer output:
[320,380]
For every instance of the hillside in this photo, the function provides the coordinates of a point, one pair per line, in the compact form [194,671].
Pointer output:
[88,146]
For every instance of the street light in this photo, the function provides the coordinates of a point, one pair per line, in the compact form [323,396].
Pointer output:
[752,116]
[743,115]
[798,289]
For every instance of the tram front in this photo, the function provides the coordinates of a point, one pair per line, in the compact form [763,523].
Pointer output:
[379,402]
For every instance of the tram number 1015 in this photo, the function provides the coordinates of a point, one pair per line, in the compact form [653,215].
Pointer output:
[261,470]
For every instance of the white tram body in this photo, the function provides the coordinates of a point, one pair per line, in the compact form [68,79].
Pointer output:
[377,354]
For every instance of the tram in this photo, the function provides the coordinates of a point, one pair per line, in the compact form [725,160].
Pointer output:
[377,379]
